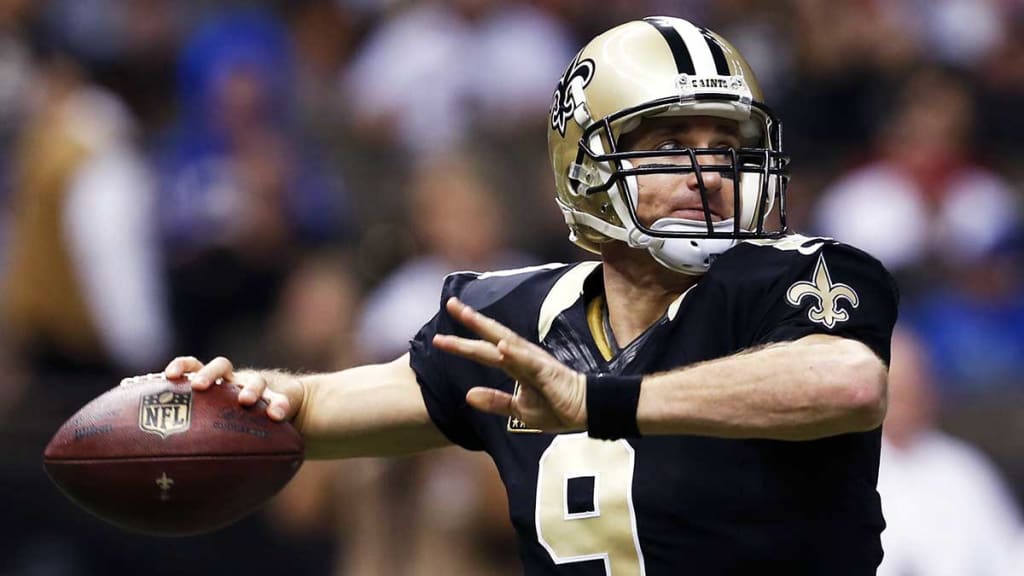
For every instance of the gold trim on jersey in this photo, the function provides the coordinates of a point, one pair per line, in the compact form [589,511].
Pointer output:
[595,321]
[566,291]
[673,308]
[806,245]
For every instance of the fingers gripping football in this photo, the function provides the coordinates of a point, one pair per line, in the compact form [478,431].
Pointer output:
[254,385]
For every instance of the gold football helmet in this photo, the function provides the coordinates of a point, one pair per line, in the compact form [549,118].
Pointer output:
[662,66]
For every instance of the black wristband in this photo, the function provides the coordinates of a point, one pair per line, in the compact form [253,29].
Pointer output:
[611,406]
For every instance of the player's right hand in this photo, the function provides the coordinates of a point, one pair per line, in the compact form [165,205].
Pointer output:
[282,395]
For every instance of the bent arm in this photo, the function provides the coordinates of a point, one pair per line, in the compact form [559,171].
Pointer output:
[810,388]
[374,410]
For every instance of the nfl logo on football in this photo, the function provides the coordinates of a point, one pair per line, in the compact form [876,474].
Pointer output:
[165,413]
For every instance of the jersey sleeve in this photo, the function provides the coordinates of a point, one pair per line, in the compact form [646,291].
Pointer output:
[839,291]
[443,391]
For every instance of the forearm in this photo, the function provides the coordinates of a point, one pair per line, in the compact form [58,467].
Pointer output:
[374,410]
[815,387]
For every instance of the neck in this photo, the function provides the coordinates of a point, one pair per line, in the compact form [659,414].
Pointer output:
[637,289]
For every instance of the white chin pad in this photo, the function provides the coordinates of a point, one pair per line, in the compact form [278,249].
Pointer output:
[687,225]
[689,255]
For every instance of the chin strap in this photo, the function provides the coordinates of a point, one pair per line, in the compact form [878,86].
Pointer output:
[634,237]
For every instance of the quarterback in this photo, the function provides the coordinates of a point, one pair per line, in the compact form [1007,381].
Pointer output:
[706,398]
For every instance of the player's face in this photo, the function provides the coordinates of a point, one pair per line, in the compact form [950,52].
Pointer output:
[678,195]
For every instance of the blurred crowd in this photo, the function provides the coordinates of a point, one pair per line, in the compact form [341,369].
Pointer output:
[287,182]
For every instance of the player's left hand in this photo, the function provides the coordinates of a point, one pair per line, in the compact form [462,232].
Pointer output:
[551,397]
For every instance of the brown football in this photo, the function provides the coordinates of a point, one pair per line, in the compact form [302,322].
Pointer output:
[153,456]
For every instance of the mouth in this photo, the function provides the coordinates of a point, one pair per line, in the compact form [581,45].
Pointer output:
[694,214]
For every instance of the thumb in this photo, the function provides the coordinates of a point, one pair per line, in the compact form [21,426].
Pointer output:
[490,400]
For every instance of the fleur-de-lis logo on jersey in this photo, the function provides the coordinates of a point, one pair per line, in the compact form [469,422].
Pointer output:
[827,295]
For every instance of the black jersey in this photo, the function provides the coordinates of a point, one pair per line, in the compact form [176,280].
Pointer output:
[676,505]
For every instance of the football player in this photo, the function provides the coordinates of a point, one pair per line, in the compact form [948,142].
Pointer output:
[704,399]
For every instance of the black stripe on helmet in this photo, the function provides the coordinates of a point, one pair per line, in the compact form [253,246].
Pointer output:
[681,54]
[721,65]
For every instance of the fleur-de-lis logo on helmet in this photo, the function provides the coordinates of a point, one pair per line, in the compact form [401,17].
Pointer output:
[580,71]
[826,311]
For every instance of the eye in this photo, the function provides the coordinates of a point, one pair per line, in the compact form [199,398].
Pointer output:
[669,145]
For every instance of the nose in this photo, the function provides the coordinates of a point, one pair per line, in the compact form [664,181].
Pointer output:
[712,178]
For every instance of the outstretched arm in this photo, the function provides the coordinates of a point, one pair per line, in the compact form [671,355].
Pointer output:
[810,388]
[374,410]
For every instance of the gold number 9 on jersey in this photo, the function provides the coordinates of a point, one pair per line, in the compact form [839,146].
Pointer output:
[604,529]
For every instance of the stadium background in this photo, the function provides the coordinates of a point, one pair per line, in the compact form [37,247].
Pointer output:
[285,183]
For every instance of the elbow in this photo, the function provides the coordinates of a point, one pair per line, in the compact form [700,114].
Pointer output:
[863,383]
